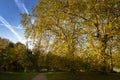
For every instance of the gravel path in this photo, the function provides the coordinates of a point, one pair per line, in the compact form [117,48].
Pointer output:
[40,76]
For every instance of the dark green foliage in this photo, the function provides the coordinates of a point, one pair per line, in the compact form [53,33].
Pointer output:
[13,57]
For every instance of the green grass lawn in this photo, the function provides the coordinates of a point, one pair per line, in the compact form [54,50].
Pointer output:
[82,76]
[17,76]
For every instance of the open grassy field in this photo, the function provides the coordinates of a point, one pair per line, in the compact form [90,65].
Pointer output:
[17,76]
[82,76]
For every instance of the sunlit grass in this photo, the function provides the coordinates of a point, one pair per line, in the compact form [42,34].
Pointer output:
[17,76]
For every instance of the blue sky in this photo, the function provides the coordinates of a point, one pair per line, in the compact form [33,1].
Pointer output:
[10,11]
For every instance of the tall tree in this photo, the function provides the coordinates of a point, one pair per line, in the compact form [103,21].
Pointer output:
[76,22]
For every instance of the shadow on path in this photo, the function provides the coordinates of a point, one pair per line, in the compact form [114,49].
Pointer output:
[40,76]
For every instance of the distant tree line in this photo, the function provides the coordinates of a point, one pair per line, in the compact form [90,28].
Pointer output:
[14,56]
[17,57]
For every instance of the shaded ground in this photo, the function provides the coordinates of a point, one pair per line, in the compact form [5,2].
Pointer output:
[58,76]
[82,76]
[40,76]
[16,76]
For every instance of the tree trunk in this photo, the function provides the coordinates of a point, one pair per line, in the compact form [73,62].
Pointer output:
[25,69]
[103,54]
[111,60]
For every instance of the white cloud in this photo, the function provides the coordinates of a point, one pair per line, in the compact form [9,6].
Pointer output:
[21,6]
[7,25]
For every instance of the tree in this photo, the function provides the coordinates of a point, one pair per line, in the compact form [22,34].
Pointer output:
[103,25]
[64,27]
[6,57]
[74,23]
[22,56]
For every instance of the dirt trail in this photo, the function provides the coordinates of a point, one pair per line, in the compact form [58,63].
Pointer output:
[40,76]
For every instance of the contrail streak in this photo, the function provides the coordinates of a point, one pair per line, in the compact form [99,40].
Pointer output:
[19,27]
[7,25]
[21,6]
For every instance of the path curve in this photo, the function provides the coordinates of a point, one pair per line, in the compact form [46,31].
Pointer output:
[40,76]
